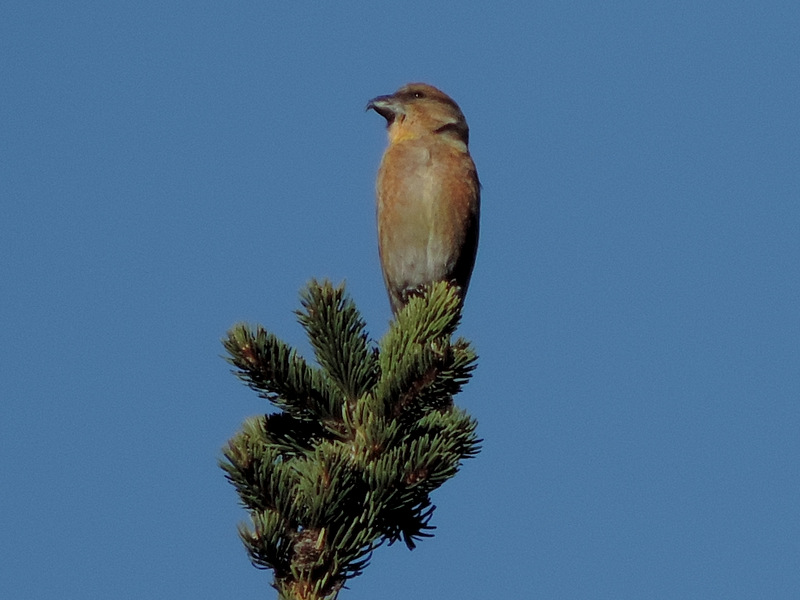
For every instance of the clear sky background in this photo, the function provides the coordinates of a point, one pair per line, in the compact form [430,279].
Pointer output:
[171,168]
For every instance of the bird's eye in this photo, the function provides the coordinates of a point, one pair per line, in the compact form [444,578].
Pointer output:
[419,95]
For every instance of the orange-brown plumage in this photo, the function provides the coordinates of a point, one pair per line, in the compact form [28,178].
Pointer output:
[428,193]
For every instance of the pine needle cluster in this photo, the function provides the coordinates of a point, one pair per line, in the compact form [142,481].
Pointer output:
[359,441]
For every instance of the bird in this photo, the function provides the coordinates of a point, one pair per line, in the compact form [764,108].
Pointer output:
[428,193]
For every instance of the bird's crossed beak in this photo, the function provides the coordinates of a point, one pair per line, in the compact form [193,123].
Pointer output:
[386,106]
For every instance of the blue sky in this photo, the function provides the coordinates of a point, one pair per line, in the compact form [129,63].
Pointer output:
[170,168]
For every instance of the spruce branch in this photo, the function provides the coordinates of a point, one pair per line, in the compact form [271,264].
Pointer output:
[359,443]
[338,335]
[268,366]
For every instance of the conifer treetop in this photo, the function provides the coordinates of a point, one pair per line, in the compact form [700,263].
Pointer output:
[359,440]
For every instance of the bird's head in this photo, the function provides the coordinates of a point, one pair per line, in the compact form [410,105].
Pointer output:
[419,109]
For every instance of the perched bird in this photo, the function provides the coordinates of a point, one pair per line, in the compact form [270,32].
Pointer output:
[428,193]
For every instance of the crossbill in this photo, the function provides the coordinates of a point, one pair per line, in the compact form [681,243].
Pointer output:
[428,193]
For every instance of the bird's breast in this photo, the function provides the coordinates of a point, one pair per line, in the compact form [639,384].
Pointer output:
[427,196]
